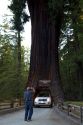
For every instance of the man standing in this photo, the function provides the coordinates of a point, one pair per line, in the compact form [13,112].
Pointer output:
[28,98]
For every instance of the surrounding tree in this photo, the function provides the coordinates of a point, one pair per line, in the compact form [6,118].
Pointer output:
[71,53]
[8,64]
[19,18]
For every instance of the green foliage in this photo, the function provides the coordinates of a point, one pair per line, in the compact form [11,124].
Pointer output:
[79,103]
[20,16]
[71,54]
[9,87]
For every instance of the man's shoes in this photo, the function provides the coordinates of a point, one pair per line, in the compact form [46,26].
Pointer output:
[29,120]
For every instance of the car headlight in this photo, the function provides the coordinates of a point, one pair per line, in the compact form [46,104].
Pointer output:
[36,100]
[49,100]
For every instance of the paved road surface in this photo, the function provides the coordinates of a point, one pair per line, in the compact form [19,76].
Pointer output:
[41,116]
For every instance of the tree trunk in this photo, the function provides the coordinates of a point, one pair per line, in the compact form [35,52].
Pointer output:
[18,64]
[44,61]
[80,79]
[19,53]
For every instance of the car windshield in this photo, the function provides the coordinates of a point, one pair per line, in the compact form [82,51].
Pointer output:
[43,95]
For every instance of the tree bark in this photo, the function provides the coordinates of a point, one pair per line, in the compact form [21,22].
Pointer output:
[18,64]
[44,61]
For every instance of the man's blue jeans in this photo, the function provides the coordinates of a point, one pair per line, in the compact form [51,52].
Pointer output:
[28,110]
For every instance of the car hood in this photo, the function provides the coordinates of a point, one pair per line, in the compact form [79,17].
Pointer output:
[40,98]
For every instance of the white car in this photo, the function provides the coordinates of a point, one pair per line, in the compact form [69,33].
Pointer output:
[43,99]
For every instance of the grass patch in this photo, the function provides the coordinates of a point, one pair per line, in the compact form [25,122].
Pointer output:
[79,103]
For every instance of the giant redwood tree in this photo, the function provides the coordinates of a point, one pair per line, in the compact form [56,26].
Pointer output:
[46,18]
